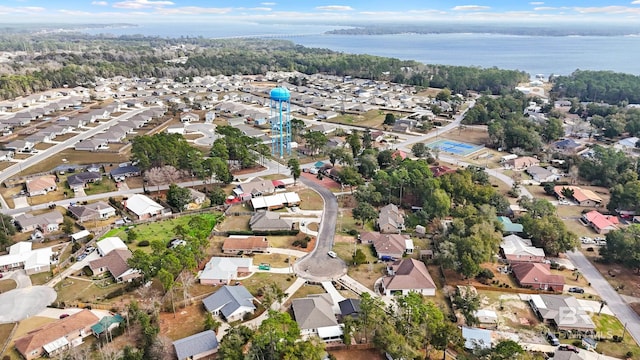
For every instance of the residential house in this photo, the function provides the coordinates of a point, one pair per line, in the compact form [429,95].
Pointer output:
[627,144]
[245,245]
[22,256]
[110,244]
[47,222]
[230,302]
[323,128]
[441,170]
[113,135]
[115,262]
[516,249]
[93,144]
[522,163]
[56,337]
[564,312]
[189,117]
[6,155]
[94,211]
[120,173]
[508,226]
[314,315]
[404,125]
[198,346]
[197,198]
[537,276]
[566,145]
[265,221]
[220,270]
[541,174]
[257,187]
[80,180]
[349,307]
[143,207]
[602,224]
[390,219]
[209,117]
[475,338]
[277,201]
[487,317]
[20,146]
[388,246]
[408,275]
[106,325]
[583,197]
[41,185]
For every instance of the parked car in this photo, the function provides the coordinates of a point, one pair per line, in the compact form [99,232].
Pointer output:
[586,240]
[81,257]
[332,254]
[264,266]
[553,340]
[576,290]
[568,348]
[1,275]
[62,316]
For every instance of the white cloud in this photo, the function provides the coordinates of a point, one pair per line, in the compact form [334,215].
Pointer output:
[536,3]
[545,8]
[193,10]
[608,10]
[140,4]
[100,3]
[636,2]
[261,9]
[470,8]
[335,8]
[268,3]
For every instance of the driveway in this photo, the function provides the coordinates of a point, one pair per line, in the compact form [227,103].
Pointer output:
[318,266]
[19,304]
[614,301]
[21,278]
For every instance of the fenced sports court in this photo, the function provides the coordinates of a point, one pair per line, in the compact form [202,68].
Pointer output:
[455,147]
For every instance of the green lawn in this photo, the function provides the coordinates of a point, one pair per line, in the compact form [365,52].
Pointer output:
[99,187]
[259,280]
[70,290]
[310,200]
[41,278]
[608,326]
[162,230]
[308,289]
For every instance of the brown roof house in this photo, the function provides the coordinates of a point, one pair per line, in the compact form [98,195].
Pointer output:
[407,275]
[95,211]
[41,185]
[391,219]
[54,338]
[246,245]
[522,163]
[388,246]
[584,197]
[115,262]
[537,276]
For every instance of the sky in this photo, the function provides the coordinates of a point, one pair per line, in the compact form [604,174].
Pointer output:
[316,11]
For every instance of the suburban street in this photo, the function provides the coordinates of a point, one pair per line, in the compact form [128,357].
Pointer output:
[618,306]
[318,266]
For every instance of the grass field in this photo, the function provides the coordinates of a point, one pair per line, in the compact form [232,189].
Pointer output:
[162,230]
[308,289]
[235,223]
[310,200]
[371,118]
[275,260]
[103,186]
[608,326]
[72,289]
[41,278]
[76,157]
[258,280]
[7,284]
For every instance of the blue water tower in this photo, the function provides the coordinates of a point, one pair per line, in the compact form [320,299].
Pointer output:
[280,121]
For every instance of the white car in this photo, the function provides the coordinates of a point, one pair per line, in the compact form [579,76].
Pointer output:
[586,240]
[332,254]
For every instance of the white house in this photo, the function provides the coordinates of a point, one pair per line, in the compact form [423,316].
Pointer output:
[143,207]
[109,244]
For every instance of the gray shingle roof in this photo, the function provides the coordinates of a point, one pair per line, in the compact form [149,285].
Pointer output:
[195,344]
[229,299]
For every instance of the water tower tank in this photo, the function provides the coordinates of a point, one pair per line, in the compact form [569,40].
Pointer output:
[280,94]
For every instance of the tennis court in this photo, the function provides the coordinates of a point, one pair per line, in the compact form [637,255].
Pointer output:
[455,147]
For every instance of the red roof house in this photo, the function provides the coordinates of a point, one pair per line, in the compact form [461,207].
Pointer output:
[602,224]
[537,276]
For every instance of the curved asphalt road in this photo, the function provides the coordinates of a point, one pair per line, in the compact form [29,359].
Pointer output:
[318,266]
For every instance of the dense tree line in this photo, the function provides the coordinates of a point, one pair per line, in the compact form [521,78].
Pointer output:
[75,59]
[623,247]
[598,86]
